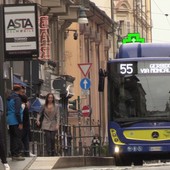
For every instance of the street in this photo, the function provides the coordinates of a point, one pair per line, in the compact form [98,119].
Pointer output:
[47,163]
[95,75]
[146,166]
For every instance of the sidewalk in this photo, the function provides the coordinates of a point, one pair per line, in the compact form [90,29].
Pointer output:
[19,165]
[48,163]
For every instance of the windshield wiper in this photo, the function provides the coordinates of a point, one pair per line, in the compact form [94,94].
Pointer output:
[127,122]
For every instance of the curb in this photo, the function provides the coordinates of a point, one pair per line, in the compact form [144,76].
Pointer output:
[30,163]
[66,162]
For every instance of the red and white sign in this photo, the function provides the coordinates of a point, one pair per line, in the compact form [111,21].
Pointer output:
[85,68]
[45,41]
[86,111]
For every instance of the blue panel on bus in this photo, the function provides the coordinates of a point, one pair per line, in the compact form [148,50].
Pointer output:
[135,50]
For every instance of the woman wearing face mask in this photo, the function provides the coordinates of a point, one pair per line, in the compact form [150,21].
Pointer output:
[50,122]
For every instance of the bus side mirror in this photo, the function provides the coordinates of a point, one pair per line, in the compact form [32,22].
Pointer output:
[102,75]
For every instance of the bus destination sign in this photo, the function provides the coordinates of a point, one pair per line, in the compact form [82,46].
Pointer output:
[129,68]
[155,68]
[143,67]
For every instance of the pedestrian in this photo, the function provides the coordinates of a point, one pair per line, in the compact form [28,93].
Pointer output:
[2,146]
[50,122]
[26,126]
[15,122]
[95,144]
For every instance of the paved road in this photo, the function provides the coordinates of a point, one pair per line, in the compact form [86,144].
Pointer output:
[46,163]
[150,166]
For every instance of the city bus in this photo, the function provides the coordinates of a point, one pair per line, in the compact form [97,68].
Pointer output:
[139,103]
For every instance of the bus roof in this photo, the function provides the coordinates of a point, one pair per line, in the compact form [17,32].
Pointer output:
[135,50]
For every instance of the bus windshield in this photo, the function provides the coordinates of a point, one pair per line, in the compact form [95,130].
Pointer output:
[139,90]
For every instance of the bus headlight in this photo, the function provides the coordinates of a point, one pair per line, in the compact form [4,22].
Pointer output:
[117,149]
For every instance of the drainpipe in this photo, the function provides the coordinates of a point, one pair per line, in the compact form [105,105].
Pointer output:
[112,16]
[134,16]
[88,60]
[57,37]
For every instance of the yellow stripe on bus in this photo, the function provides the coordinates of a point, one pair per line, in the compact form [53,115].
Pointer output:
[143,135]
[147,135]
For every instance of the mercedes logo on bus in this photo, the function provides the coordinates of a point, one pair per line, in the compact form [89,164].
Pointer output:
[155,135]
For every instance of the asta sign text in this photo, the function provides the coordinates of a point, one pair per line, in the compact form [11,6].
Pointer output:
[21,32]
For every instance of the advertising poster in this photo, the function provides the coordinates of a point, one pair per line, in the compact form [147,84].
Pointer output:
[21,32]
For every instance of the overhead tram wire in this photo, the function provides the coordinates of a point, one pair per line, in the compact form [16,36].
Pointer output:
[160,40]
[163,29]
[161,13]
[158,7]
[167,18]
[165,14]
[158,13]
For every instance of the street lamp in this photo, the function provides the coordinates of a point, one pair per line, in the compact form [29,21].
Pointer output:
[82,19]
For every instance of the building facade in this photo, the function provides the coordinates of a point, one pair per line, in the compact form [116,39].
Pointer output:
[133,16]
[129,16]
[54,17]
[91,47]
[70,43]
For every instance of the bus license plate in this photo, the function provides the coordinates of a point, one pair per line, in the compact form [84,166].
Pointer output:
[155,148]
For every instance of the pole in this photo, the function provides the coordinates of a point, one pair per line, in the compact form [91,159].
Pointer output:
[30,78]
[74,141]
[11,74]
[112,17]
[134,15]
[2,87]
[64,122]
[100,120]
[79,122]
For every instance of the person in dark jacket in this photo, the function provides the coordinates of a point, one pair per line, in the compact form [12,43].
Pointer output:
[15,122]
[2,146]
[26,125]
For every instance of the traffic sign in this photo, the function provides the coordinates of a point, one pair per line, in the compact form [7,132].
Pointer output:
[85,92]
[86,111]
[85,68]
[85,83]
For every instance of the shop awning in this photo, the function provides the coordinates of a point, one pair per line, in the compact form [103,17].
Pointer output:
[18,81]
[35,105]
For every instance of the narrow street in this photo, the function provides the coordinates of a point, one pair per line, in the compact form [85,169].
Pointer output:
[147,166]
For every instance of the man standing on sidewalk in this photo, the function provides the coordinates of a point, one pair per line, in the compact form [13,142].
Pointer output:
[2,146]
[15,122]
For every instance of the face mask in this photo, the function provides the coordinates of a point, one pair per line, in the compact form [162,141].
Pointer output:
[23,98]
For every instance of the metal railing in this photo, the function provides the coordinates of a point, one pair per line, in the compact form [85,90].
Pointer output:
[70,140]
[85,146]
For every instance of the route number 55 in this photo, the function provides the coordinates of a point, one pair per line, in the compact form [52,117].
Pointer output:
[126,68]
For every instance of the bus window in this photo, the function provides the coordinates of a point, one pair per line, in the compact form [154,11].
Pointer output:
[139,95]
